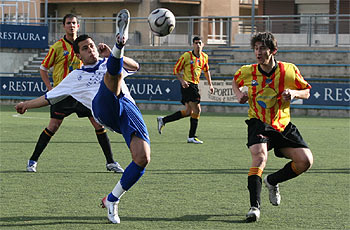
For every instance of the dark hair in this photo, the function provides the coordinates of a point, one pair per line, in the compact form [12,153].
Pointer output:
[196,38]
[266,38]
[81,38]
[68,16]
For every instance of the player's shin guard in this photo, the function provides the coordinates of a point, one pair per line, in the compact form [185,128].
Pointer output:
[43,140]
[103,140]
[193,125]
[115,60]
[131,175]
[286,173]
[254,186]
[173,117]
[114,65]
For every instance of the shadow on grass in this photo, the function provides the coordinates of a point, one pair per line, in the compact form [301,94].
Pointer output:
[57,142]
[194,218]
[21,221]
[239,171]
[57,172]
[189,171]
[57,220]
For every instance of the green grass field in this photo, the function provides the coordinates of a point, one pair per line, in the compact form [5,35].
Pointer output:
[185,186]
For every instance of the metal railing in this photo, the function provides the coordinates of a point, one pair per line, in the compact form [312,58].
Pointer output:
[290,30]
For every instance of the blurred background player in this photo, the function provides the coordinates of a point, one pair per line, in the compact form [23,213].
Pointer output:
[271,87]
[191,63]
[62,58]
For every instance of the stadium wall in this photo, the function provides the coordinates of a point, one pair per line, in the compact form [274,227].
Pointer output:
[8,55]
[330,100]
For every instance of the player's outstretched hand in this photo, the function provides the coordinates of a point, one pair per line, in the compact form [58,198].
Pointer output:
[211,88]
[21,108]
[104,50]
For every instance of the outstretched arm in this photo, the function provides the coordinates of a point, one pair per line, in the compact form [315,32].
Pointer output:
[35,103]
[130,64]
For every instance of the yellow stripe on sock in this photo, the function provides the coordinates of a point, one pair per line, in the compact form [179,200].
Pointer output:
[183,113]
[47,133]
[294,168]
[195,115]
[101,131]
[255,171]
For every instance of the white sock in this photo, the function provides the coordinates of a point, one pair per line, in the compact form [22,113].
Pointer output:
[118,191]
[118,53]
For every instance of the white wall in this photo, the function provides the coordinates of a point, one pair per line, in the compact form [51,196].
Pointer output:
[12,60]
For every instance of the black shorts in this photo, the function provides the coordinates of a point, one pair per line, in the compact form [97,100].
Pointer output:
[260,132]
[68,106]
[190,94]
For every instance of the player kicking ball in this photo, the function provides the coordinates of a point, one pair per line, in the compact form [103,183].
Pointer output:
[100,86]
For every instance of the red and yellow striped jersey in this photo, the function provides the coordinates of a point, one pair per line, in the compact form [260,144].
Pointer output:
[63,59]
[192,66]
[265,100]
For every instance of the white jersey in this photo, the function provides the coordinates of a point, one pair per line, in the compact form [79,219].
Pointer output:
[83,84]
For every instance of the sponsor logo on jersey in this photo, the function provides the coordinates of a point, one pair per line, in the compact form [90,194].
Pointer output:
[268,81]
[65,53]
[254,83]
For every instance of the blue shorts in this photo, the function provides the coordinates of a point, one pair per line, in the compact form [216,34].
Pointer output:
[119,114]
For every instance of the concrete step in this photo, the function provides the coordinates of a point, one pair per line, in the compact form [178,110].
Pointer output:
[306,70]
[29,71]
[293,56]
[32,67]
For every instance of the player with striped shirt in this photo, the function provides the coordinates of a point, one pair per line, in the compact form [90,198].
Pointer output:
[191,63]
[62,58]
[271,86]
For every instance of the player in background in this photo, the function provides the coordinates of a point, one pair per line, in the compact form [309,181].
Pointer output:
[271,86]
[100,86]
[191,63]
[62,58]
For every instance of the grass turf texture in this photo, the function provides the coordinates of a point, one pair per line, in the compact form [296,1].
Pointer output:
[185,186]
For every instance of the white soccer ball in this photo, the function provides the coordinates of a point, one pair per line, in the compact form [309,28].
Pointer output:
[161,22]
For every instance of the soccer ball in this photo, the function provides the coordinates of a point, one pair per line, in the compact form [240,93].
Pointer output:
[161,22]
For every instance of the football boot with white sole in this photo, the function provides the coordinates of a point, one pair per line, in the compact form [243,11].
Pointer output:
[31,166]
[160,124]
[115,167]
[194,140]
[253,215]
[112,210]
[274,192]
[122,27]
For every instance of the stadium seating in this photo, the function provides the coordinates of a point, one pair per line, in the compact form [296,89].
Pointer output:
[323,63]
